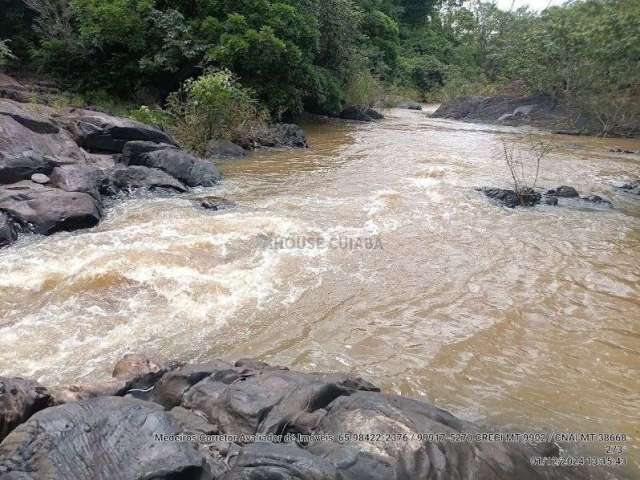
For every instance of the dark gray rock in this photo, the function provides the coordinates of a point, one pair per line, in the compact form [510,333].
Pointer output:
[97,131]
[134,149]
[19,399]
[409,105]
[360,114]
[537,110]
[105,438]
[23,130]
[553,201]
[79,178]
[172,387]
[7,231]
[280,462]
[218,148]
[137,177]
[413,457]
[564,191]
[21,166]
[215,203]
[267,400]
[597,200]
[33,121]
[511,199]
[47,210]
[190,170]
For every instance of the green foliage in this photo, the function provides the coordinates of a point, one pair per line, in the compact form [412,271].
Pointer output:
[151,116]
[214,105]
[6,55]
[363,90]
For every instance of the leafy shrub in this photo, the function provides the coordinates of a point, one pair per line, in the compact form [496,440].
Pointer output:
[214,105]
[363,90]
[5,53]
[154,117]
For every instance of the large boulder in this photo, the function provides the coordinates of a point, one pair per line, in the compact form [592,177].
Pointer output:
[280,462]
[133,149]
[46,210]
[28,127]
[505,109]
[137,177]
[218,148]
[79,178]
[21,166]
[19,399]
[263,399]
[397,446]
[105,438]
[190,170]
[7,230]
[97,131]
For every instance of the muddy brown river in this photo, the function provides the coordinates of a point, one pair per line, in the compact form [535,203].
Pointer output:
[369,252]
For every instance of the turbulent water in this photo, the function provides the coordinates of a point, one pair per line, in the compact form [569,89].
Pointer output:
[369,252]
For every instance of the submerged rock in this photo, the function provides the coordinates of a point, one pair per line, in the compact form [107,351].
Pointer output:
[19,400]
[217,148]
[46,210]
[104,438]
[216,203]
[597,200]
[360,114]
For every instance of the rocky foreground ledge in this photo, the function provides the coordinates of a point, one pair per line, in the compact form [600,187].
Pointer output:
[248,421]
[58,166]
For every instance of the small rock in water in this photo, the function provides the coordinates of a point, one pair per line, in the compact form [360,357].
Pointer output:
[622,150]
[564,191]
[217,148]
[511,199]
[216,203]
[596,199]
[39,178]
[550,200]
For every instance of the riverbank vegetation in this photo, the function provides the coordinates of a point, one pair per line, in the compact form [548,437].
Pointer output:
[324,55]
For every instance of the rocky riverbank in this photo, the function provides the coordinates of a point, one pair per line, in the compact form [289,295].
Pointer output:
[57,166]
[247,420]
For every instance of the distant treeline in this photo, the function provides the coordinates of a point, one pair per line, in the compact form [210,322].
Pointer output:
[321,55]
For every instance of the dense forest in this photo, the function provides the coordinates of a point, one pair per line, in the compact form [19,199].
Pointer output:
[287,56]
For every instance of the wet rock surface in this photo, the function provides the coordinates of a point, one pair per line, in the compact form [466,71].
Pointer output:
[559,196]
[216,203]
[102,438]
[224,149]
[360,114]
[249,421]
[631,187]
[19,399]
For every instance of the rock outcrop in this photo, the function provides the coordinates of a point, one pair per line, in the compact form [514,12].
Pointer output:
[538,110]
[56,166]
[559,196]
[249,420]
[217,148]
[19,399]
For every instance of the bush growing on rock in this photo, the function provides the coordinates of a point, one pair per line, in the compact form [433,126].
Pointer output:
[214,105]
